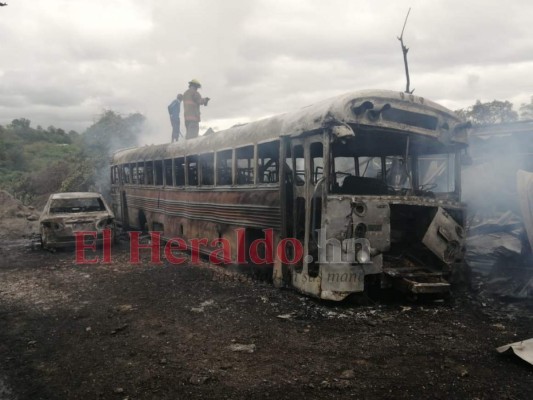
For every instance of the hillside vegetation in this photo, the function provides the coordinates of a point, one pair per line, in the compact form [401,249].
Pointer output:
[35,162]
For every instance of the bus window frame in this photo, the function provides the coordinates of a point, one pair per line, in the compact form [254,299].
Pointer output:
[188,158]
[134,179]
[174,170]
[252,165]
[312,169]
[149,166]
[201,160]
[303,180]
[165,162]
[126,175]
[259,180]
[155,162]
[140,164]
[115,175]
[217,167]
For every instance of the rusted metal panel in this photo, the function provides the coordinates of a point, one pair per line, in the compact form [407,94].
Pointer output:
[445,237]
[410,200]
[203,213]
[525,198]
[368,219]
[417,280]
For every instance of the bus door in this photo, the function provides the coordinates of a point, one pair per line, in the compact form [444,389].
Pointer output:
[124,207]
[307,159]
[120,208]
[116,178]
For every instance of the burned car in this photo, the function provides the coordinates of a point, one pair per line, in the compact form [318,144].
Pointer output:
[67,213]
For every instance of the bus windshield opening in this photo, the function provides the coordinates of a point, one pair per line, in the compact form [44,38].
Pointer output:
[431,175]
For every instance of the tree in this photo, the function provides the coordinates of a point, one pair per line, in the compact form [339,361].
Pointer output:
[37,162]
[526,110]
[20,124]
[493,112]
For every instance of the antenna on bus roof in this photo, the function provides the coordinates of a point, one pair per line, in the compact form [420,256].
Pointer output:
[404,51]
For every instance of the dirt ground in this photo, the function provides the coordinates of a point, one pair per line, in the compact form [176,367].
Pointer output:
[123,331]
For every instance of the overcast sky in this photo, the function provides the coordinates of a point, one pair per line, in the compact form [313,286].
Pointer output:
[64,61]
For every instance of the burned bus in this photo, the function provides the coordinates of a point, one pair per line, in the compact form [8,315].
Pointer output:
[361,189]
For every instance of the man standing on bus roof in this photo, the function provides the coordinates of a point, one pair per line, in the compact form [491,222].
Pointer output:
[174,113]
[192,100]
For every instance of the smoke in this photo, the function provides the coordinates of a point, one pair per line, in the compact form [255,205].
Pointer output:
[109,134]
[489,184]
[496,235]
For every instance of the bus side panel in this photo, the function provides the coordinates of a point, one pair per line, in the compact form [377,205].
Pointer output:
[206,214]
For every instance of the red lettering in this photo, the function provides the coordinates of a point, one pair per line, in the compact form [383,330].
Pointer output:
[81,246]
[195,249]
[107,246]
[241,246]
[155,239]
[282,251]
[268,245]
[169,248]
[225,249]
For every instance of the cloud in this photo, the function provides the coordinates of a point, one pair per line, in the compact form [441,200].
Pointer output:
[64,62]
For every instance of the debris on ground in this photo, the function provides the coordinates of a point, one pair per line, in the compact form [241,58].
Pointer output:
[245,348]
[119,329]
[202,306]
[348,374]
[198,379]
[523,349]
[52,309]
[124,308]
[285,316]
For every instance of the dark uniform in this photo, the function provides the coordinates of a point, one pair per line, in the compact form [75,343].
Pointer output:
[174,113]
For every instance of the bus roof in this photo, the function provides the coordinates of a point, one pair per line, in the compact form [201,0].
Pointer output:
[350,108]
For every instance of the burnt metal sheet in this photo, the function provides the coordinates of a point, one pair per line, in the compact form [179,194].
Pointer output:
[371,220]
[445,237]
[346,277]
[523,349]
[407,200]
[417,280]
[493,240]
[363,218]
[75,195]
[524,186]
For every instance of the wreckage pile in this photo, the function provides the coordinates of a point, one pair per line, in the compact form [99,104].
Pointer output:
[498,252]
[494,240]
[498,188]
